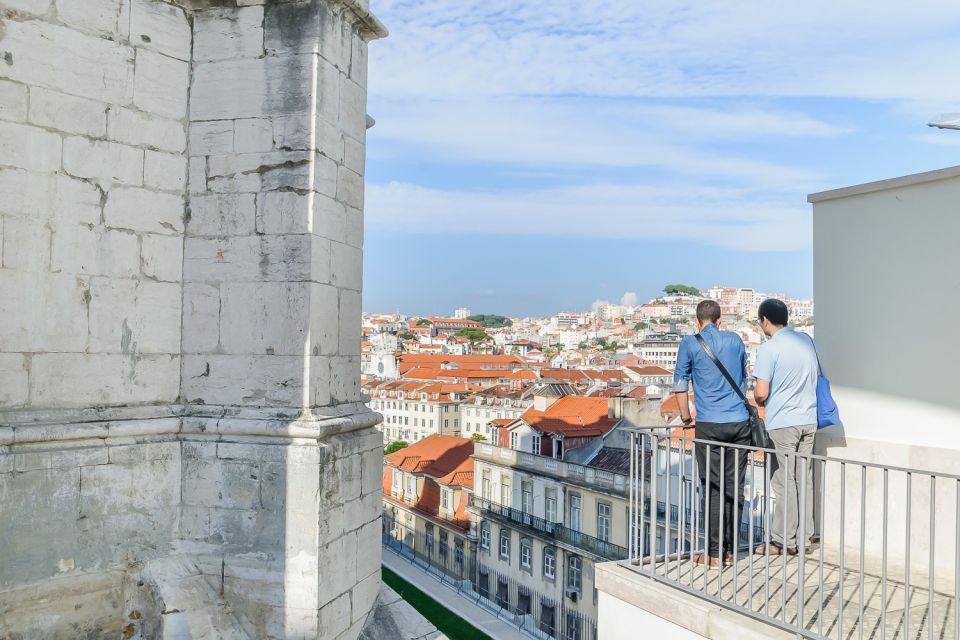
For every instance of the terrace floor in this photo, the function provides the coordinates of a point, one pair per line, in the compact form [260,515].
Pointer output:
[772,590]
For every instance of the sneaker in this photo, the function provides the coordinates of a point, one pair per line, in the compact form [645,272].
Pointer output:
[707,562]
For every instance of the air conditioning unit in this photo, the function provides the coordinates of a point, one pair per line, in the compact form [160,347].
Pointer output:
[573,594]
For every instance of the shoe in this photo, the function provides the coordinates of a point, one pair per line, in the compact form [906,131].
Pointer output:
[707,562]
[772,549]
[728,559]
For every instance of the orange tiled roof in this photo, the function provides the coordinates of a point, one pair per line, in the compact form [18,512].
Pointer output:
[436,455]
[572,416]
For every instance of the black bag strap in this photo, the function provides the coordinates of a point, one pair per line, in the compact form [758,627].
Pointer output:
[726,374]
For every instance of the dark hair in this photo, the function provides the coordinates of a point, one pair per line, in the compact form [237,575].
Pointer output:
[708,310]
[775,311]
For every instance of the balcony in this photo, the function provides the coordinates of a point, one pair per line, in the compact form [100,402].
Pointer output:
[886,563]
[578,473]
[600,549]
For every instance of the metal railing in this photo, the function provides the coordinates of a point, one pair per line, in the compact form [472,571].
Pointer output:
[607,480]
[880,558]
[603,549]
[539,615]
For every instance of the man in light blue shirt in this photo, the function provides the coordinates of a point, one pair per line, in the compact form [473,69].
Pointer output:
[786,373]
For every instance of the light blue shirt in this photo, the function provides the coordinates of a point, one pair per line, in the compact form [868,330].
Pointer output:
[788,362]
[715,399]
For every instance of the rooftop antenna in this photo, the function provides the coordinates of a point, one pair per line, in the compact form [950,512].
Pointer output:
[946,121]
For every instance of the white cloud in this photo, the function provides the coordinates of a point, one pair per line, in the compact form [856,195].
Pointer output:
[725,217]
[629,299]
[641,48]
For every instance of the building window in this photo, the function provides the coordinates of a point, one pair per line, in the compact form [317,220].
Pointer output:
[523,601]
[573,626]
[483,588]
[443,545]
[505,499]
[446,499]
[574,573]
[412,487]
[505,544]
[485,535]
[576,511]
[526,553]
[503,593]
[494,436]
[429,539]
[549,562]
[458,553]
[397,481]
[548,623]
[446,424]
[551,505]
[536,445]
[526,497]
[603,521]
[485,485]
[514,440]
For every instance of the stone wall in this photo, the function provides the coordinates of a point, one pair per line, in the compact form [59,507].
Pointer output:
[181,194]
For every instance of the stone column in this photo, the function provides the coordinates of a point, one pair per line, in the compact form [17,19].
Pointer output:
[282,469]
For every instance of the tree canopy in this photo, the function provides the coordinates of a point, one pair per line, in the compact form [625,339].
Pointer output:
[394,446]
[473,334]
[681,289]
[423,322]
[478,437]
[491,321]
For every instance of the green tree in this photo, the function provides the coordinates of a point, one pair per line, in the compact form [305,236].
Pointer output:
[423,322]
[640,326]
[406,335]
[583,345]
[478,437]
[491,321]
[681,289]
[394,446]
[473,334]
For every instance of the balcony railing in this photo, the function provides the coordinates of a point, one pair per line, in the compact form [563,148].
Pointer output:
[614,482]
[884,556]
[550,530]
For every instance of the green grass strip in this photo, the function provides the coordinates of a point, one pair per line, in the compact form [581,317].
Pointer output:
[455,627]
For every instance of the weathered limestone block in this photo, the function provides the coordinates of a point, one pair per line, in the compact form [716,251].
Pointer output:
[160,26]
[104,17]
[102,161]
[161,84]
[76,248]
[29,147]
[211,138]
[219,215]
[13,101]
[81,379]
[201,318]
[32,7]
[143,129]
[13,380]
[243,380]
[251,87]
[67,113]
[247,258]
[44,197]
[134,316]
[164,171]
[161,257]
[226,34]
[252,135]
[26,245]
[264,317]
[66,60]
[43,312]
[144,210]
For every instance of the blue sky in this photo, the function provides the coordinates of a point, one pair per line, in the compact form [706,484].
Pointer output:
[531,157]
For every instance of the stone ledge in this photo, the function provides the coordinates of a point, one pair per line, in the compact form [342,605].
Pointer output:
[682,609]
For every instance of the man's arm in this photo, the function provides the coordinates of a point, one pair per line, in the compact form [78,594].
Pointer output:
[763,372]
[682,376]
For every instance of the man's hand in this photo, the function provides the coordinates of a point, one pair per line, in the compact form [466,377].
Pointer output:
[687,421]
[683,404]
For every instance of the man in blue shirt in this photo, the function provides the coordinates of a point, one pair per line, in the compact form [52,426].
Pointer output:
[721,417]
[786,374]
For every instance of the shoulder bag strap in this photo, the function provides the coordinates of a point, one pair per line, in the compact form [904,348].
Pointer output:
[706,349]
[815,351]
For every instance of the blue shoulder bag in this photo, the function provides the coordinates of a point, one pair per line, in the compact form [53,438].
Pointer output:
[827,412]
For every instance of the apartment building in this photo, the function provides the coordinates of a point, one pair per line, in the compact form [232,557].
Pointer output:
[425,494]
[543,521]
[413,410]
[659,349]
[502,401]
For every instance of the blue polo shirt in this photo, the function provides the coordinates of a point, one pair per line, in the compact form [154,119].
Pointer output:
[788,361]
[715,400]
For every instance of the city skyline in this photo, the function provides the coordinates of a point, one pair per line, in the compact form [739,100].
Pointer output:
[531,157]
